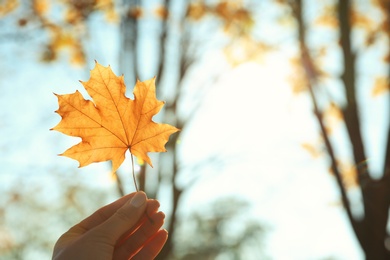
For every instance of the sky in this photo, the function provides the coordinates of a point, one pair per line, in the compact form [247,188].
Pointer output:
[250,116]
[288,188]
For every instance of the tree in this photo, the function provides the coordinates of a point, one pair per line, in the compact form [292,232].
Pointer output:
[371,227]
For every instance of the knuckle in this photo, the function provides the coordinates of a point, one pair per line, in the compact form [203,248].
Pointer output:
[122,215]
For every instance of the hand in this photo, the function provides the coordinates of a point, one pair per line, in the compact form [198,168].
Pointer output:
[127,228]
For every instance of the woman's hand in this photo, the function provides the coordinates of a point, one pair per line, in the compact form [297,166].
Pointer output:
[127,228]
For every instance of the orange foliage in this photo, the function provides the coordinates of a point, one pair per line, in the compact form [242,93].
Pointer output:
[135,13]
[223,10]
[196,11]
[327,17]
[245,49]
[297,77]
[312,149]
[68,32]
[348,173]
[387,58]
[61,39]
[332,117]
[111,124]
[361,20]
[162,12]
[381,86]
[234,17]
[8,6]
[40,6]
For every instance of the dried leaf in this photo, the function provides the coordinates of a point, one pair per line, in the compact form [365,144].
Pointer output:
[362,20]
[111,124]
[8,6]
[381,86]
[40,7]
[327,17]
[162,12]
[196,11]
[312,149]
[135,13]
[348,173]
[297,78]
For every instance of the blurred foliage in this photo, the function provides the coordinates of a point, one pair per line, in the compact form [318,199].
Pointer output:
[311,67]
[223,230]
[33,216]
[236,19]
[64,23]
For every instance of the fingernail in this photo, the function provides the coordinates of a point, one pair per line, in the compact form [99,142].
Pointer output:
[138,200]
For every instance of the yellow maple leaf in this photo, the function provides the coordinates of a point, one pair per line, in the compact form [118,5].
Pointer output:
[112,123]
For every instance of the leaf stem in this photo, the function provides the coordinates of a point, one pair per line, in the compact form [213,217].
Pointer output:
[132,167]
[136,187]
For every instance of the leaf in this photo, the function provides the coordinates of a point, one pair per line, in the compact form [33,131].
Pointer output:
[112,123]
[381,86]
[7,6]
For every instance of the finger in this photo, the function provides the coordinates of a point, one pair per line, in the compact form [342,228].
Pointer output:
[136,240]
[152,206]
[121,221]
[153,246]
[151,209]
[101,214]
[105,212]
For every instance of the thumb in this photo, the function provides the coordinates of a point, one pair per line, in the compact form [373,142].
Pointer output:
[122,220]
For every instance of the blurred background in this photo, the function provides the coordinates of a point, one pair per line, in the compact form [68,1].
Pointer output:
[283,107]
